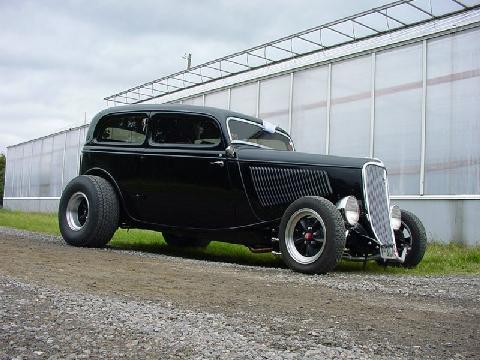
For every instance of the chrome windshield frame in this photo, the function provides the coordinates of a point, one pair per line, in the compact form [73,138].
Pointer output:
[287,136]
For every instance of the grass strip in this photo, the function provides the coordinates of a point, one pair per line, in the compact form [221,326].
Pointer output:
[440,259]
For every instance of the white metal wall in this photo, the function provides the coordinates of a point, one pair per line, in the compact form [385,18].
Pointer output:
[40,169]
[416,107]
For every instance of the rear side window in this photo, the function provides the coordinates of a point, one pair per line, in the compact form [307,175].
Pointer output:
[185,129]
[122,128]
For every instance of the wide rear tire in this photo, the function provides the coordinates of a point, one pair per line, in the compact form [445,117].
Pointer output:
[89,212]
[312,235]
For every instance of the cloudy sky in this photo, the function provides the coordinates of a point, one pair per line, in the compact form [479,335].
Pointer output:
[59,59]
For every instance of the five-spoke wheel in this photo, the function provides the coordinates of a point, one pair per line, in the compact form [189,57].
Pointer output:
[305,236]
[312,235]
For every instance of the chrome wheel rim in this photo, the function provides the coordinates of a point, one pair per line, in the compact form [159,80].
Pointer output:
[403,238]
[77,211]
[407,234]
[305,236]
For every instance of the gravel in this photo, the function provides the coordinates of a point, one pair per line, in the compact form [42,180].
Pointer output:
[62,302]
[51,323]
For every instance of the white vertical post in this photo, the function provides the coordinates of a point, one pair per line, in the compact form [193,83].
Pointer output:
[372,110]
[424,116]
[329,99]
[7,173]
[229,100]
[203,100]
[20,193]
[290,104]
[11,170]
[30,169]
[12,177]
[63,159]
[258,99]
[79,150]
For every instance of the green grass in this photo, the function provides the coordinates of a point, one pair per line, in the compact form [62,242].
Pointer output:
[439,259]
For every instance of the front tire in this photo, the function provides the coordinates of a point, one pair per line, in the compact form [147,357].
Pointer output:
[412,234]
[312,235]
[89,212]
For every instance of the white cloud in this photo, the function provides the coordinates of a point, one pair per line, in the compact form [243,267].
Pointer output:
[58,59]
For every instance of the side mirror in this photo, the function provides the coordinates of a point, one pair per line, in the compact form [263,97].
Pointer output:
[230,151]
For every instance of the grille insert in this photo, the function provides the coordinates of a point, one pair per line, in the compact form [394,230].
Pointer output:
[377,203]
[275,185]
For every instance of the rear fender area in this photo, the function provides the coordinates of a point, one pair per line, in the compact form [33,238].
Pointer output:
[125,218]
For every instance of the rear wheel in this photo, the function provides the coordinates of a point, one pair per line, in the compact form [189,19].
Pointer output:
[312,235]
[184,241]
[89,212]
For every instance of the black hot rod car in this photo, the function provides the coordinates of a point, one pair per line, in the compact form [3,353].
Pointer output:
[199,174]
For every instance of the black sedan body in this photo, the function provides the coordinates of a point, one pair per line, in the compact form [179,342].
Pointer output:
[214,174]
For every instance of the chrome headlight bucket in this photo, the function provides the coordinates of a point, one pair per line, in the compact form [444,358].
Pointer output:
[395,217]
[350,209]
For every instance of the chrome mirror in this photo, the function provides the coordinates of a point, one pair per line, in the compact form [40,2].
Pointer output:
[230,151]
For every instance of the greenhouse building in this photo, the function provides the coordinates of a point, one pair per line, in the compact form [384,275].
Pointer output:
[400,83]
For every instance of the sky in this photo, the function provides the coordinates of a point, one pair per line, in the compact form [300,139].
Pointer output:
[59,59]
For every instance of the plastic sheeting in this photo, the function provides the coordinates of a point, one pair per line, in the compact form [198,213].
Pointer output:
[42,168]
[398,116]
[309,110]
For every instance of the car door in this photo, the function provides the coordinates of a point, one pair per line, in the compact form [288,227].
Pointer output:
[116,147]
[185,176]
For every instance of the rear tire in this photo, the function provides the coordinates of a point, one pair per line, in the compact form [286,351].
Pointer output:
[89,212]
[312,235]
[184,241]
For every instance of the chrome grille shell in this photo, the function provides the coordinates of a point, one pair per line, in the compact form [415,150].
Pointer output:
[377,204]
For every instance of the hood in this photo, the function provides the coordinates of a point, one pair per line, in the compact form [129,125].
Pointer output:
[248,153]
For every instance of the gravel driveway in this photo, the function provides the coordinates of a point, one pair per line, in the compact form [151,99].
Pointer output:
[58,301]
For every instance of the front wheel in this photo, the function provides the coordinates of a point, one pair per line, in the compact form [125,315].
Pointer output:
[89,212]
[312,235]
[412,235]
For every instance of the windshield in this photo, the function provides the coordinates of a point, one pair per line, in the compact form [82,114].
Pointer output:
[244,131]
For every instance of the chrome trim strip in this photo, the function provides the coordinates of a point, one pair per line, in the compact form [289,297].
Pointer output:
[250,143]
[255,124]
[436,197]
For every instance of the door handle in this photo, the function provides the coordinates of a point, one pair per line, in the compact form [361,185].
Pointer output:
[220,163]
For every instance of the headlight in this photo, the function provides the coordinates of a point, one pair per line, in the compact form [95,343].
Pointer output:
[350,210]
[395,217]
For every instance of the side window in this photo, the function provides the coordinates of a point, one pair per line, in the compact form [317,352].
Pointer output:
[122,128]
[185,129]
[245,131]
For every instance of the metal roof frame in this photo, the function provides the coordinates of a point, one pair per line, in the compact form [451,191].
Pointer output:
[367,24]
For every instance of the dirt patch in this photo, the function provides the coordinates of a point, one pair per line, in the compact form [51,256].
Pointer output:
[337,311]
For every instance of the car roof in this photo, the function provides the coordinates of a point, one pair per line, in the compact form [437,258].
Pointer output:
[220,114]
